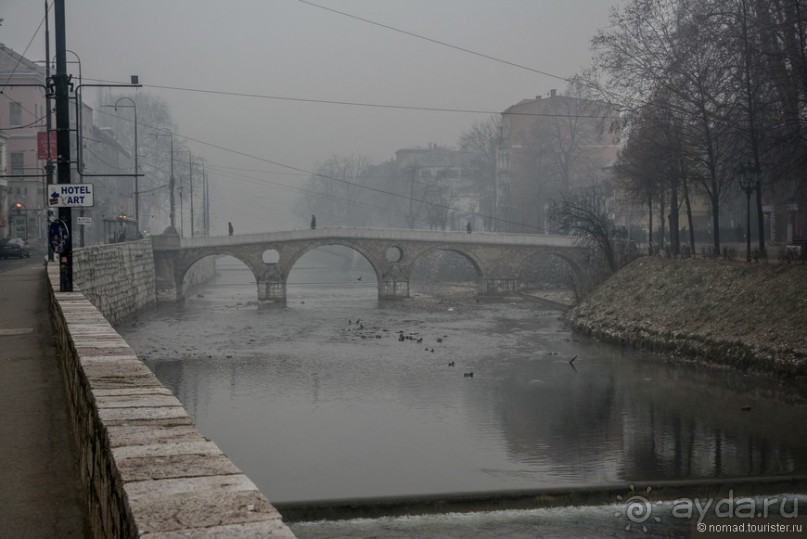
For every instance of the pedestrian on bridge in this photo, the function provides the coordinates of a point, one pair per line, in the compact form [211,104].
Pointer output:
[313,222]
[230,227]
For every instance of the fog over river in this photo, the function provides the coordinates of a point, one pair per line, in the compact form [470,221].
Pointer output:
[339,396]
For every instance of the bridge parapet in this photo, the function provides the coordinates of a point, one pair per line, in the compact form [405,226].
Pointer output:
[391,234]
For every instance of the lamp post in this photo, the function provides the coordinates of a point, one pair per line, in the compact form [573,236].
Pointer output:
[190,174]
[19,206]
[181,189]
[205,216]
[747,174]
[136,177]
[171,179]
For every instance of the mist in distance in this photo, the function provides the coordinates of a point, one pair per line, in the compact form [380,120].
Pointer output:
[293,49]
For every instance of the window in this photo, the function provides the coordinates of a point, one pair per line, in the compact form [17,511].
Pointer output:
[15,113]
[17,163]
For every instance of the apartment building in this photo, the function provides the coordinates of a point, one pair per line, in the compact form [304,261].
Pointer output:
[549,145]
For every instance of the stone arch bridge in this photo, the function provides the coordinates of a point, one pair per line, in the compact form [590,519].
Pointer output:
[498,259]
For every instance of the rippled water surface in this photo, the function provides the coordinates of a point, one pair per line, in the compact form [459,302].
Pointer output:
[323,400]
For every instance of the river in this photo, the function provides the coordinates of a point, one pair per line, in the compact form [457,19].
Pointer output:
[339,396]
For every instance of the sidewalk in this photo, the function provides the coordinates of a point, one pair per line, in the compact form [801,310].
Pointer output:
[40,494]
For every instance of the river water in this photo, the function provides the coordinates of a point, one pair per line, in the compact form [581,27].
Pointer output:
[339,396]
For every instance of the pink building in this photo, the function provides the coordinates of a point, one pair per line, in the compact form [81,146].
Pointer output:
[22,116]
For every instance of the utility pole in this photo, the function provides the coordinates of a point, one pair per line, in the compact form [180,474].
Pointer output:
[172,213]
[190,173]
[48,164]
[48,129]
[61,82]
[205,202]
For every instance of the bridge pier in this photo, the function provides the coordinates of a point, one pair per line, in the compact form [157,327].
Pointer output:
[166,246]
[499,287]
[271,293]
[393,289]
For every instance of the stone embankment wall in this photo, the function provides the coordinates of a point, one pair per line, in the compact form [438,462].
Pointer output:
[747,316]
[119,278]
[147,471]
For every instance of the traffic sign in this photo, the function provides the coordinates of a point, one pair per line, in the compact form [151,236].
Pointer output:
[70,195]
[84,221]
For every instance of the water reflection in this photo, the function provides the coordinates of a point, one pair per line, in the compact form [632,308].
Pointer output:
[632,420]
[311,407]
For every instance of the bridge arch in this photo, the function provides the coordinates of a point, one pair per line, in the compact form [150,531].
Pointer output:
[554,262]
[187,262]
[422,256]
[288,262]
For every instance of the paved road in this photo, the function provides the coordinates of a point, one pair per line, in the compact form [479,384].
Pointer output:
[39,486]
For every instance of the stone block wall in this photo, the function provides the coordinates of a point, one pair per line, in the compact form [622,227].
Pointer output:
[117,278]
[146,469]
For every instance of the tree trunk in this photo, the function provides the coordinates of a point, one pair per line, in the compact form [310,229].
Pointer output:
[675,239]
[715,223]
[752,121]
[650,225]
[662,219]
[410,216]
[689,215]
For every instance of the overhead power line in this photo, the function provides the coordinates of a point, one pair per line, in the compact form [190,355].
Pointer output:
[26,126]
[333,178]
[582,81]
[437,41]
[21,56]
[358,103]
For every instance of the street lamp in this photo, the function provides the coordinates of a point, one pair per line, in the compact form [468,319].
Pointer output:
[205,202]
[181,191]
[136,177]
[171,179]
[747,174]
[19,206]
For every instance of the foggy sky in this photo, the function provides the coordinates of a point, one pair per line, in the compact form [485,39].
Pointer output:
[289,48]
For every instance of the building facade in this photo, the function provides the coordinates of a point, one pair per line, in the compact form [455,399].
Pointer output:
[550,145]
[23,114]
[96,157]
[442,182]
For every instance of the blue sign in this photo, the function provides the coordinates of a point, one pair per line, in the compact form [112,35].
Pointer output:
[59,236]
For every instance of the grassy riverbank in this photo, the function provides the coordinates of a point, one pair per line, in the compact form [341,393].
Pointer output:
[748,316]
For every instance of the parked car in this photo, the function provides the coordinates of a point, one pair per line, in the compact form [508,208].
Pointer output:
[14,247]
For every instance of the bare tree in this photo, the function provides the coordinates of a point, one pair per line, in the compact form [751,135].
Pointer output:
[482,140]
[669,47]
[154,152]
[564,146]
[337,193]
[586,214]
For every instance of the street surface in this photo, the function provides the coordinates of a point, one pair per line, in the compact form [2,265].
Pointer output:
[39,483]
